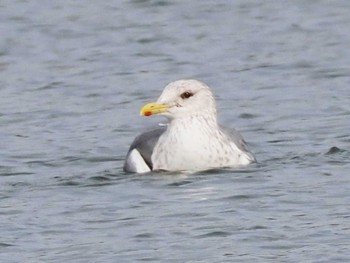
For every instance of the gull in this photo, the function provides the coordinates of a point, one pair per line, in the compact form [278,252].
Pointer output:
[192,140]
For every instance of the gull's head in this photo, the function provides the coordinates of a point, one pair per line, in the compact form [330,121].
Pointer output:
[183,98]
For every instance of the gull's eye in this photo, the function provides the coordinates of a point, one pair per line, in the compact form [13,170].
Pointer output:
[186,95]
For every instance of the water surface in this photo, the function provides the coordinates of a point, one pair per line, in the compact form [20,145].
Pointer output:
[73,78]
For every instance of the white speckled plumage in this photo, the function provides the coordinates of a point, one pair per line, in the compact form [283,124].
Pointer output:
[193,139]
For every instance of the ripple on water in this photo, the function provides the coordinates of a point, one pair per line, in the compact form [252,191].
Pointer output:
[215,234]
[334,150]
[2,244]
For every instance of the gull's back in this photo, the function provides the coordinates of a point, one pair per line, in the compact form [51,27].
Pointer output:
[239,141]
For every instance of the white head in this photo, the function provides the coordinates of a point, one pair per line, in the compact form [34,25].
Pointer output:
[183,98]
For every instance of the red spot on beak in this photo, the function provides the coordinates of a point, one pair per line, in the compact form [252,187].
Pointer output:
[148,113]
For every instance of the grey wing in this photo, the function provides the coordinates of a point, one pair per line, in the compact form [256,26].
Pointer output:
[238,139]
[139,156]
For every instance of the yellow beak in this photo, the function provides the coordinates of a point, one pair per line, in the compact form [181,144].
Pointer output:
[153,108]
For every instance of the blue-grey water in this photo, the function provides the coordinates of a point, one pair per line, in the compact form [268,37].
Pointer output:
[73,76]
